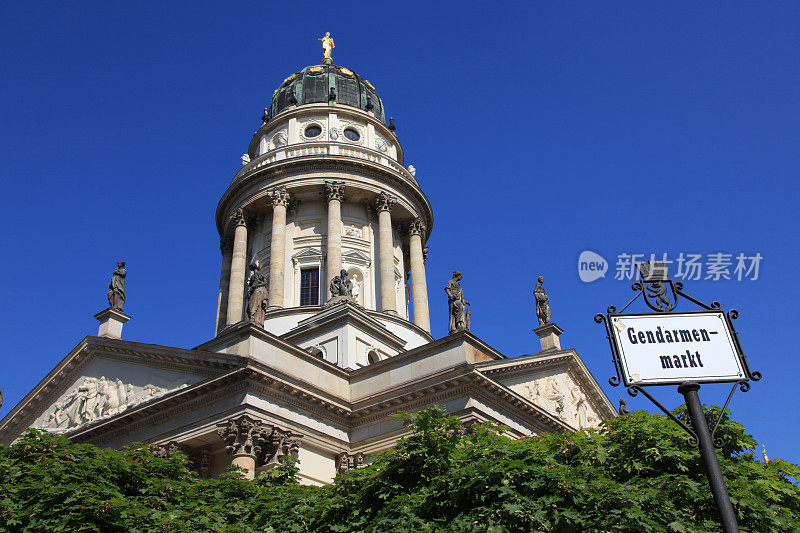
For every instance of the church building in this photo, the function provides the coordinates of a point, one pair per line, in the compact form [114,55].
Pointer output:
[322,329]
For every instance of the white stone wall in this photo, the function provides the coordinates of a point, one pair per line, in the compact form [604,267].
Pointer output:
[333,121]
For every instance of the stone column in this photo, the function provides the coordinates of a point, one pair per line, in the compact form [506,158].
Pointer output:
[226,248]
[277,255]
[334,191]
[383,206]
[244,438]
[419,285]
[238,265]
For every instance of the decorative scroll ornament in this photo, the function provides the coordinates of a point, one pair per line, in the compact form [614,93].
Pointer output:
[238,217]
[280,196]
[290,78]
[662,295]
[243,436]
[196,459]
[280,139]
[316,69]
[349,461]
[346,71]
[264,442]
[417,227]
[384,202]
[334,190]
[369,84]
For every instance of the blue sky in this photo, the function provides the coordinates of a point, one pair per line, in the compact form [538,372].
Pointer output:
[538,129]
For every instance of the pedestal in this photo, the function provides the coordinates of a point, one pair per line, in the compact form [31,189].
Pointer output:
[548,335]
[111,322]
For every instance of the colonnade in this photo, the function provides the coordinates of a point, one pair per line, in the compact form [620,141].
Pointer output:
[230,303]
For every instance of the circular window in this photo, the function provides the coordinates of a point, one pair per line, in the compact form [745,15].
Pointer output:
[352,134]
[312,131]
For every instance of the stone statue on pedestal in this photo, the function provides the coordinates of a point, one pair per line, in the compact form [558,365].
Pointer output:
[459,311]
[257,295]
[116,289]
[542,303]
[341,286]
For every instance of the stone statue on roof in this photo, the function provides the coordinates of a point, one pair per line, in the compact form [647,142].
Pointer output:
[458,307]
[116,289]
[542,303]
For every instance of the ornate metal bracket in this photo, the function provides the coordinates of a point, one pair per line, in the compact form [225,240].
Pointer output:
[692,440]
[641,288]
[662,296]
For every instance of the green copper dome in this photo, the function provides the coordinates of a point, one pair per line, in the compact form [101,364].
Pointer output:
[323,83]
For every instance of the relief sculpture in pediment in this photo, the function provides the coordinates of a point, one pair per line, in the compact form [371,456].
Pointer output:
[96,398]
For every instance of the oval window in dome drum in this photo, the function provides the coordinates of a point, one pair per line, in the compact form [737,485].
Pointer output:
[352,134]
[312,131]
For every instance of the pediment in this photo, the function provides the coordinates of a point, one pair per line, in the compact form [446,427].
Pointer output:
[559,383]
[102,377]
[104,388]
[308,253]
[355,257]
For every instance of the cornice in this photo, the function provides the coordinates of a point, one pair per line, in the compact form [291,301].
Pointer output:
[331,163]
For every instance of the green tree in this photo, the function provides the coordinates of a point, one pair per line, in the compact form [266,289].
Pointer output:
[635,474]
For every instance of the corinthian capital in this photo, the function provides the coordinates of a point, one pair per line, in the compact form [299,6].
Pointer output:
[349,461]
[243,436]
[280,196]
[416,227]
[384,202]
[238,217]
[334,190]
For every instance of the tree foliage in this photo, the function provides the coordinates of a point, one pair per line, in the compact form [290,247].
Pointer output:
[635,474]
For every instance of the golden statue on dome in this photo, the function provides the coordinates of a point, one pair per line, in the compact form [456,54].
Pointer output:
[327,46]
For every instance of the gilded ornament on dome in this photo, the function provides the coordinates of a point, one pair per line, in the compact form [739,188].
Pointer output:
[369,84]
[274,93]
[287,80]
[316,69]
[327,46]
[346,71]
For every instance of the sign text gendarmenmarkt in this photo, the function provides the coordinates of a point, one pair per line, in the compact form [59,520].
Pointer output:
[663,349]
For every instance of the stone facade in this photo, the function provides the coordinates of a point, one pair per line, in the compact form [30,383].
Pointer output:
[323,188]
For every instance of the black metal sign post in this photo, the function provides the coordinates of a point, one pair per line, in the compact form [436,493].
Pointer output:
[661,295]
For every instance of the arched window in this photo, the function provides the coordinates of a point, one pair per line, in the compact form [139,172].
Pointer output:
[317,351]
[372,357]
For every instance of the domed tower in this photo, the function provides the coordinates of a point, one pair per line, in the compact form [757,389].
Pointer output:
[323,190]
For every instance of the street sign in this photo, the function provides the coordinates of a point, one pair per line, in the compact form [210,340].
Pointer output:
[686,348]
[672,348]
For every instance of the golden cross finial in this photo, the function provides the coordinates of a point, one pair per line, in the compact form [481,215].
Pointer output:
[327,46]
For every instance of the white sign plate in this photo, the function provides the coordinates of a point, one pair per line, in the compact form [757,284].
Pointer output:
[670,348]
